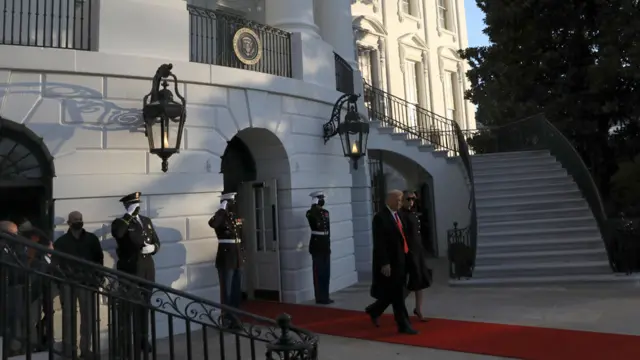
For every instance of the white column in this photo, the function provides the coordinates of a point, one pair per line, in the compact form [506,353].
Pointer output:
[291,15]
[336,27]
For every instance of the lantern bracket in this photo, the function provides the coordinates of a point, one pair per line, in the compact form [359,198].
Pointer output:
[330,129]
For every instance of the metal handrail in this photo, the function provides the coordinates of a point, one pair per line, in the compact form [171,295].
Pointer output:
[537,133]
[24,260]
[417,122]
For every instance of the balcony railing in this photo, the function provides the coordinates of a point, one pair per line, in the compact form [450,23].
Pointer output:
[344,75]
[219,38]
[64,24]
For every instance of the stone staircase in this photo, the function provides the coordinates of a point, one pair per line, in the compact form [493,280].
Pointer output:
[534,227]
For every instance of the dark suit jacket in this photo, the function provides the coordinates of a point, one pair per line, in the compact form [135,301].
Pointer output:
[388,249]
[130,236]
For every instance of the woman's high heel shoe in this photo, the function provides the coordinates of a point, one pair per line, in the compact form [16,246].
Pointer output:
[419,315]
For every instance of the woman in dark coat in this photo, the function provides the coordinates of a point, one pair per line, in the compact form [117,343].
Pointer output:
[420,275]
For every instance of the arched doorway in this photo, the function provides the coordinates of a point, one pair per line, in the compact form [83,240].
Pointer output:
[26,176]
[256,166]
[389,170]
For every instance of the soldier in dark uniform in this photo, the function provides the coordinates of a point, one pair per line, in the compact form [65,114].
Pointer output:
[230,256]
[320,247]
[420,276]
[137,243]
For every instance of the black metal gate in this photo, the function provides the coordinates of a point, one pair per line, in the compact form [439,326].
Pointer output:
[378,183]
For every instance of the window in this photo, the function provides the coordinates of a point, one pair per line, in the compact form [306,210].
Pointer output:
[410,7]
[366,65]
[451,81]
[412,94]
[443,14]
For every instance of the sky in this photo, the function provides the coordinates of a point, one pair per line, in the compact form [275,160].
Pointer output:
[475,24]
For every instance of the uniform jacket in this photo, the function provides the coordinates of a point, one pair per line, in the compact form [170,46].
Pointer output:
[227,226]
[318,219]
[131,236]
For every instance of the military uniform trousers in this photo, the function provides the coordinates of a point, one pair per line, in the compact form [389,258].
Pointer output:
[144,267]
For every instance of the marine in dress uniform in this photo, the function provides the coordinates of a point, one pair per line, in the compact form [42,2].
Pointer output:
[137,242]
[230,256]
[320,247]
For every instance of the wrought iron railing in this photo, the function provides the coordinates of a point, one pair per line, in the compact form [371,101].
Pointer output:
[64,24]
[344,75]
[537,133]
[113,312]
[219,38]
[416,122]
[462,254]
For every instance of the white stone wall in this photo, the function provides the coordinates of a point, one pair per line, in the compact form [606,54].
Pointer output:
[89,120]
[396,36]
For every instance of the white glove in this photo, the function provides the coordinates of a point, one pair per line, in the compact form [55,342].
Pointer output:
[131,208]
[148,249]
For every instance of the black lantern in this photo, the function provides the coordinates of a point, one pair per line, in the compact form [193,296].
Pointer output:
[353,131]
[160,108]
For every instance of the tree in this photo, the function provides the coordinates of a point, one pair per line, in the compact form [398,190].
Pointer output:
[576,61]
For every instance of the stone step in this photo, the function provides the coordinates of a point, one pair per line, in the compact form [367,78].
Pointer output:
[549,244]
[566,185]
[484,184]
[556,280]
[512,155]
[487,165]
[555,223]
[504,170]
[531,196]
[532,205]
[537,234]
[499,215]
[542,269]
[529,257]
[521,175]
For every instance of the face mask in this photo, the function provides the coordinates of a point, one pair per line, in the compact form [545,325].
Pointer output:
[77,225]
[321,202]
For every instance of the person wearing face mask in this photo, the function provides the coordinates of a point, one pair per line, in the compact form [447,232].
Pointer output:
[320,247]
[137,242]
[85,245]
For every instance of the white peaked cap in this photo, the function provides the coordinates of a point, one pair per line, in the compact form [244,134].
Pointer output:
[228,196]
[316,194]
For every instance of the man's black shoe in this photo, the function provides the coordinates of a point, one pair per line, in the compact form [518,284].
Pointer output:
[407,331]
[374,319]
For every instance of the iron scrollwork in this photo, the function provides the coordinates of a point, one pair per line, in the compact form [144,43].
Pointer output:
[330,129]
[23,258]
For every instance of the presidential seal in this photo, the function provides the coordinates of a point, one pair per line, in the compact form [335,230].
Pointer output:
[247,46]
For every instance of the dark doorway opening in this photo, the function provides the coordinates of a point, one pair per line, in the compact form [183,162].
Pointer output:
[21,204]
[26,177]
[238,165]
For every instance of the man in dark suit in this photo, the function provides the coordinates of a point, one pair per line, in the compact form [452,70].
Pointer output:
[137,243]
[390,257]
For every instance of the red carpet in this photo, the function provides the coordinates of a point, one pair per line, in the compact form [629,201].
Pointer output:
[520,342]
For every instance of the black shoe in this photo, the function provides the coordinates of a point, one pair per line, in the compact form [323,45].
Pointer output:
[408,331]
[419,315]
[324,302]
[374,319]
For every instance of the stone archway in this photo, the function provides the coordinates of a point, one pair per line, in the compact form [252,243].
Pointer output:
[255,164]
[390,170]
[26,176]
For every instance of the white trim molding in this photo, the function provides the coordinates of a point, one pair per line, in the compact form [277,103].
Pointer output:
[375,4]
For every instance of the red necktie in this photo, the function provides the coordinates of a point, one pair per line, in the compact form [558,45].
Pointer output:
[404,238]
